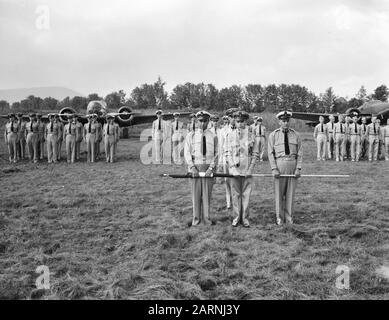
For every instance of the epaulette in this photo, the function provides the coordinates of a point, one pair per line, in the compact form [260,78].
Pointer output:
[279,129]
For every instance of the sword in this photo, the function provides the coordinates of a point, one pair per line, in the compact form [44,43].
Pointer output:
[255,175]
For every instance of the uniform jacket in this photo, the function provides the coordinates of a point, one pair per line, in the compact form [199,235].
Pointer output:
[320,129]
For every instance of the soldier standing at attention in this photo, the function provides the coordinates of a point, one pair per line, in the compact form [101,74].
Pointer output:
[51,134]
[385,134]
[372,133]
[90,129]
[259,131]
[364,139]
[200,152]
[117,137]
[110,133]
[331,140]
[321,135]
[191,126]
[69,136]
[241,160]
[158,134]
[285,156]
[79,134]
[339,136]
[380,139]
[176,138]
[11,137]
[355,137]
[32,138]
[347,138]
[41,137]
[21,144]
[60,136]
[99,137]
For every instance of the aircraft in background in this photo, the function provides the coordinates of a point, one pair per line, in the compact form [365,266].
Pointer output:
[375,108]
[125,117]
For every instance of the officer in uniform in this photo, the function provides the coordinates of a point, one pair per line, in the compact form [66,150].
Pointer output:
[321,135]
[41,137]
[372,133]
[117,137]
[385,134]
[259,131]
[110,133]
[380,139]
[355,138]
[69,136]
[158,134]
[60,136]
[79,135]
[331,140]
[200,153]
[285,156]
[176,127]
[11,137]
[347,138]
[21,143]
[32,138]
[213,122]
[90,130]
[242,153]
[340,140]
[51,134]
[191,126]
[364,139]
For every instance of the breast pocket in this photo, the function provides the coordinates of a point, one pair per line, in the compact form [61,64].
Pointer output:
[293,145]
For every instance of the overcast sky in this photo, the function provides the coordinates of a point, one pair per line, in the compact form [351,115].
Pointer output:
[103,46]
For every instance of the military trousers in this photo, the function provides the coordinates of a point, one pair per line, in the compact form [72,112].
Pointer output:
[41,145]
[241,190]
[12,139]
[21,147]
[331,146]
[364,146]
[355,147]
[321,141]
[70,145]
[373,147]
[59,147]
[340,146]
[78,149]
[90,147]
[51,147]
[284,189]
[227,185]
[109,145]
[201,199]
[261,143]
[158,147]
[32,145]
[177,147]
[386,141]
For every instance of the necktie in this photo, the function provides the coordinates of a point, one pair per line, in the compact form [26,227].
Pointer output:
[260,130]
[90,127]
[194,126]
[12,126]
[322,130]
[51,127]
[159,124]
[332,125]
[375,131]
[286,142]
[341,128]
[108,129]
[364,128]
[31,126]
[204,146]
[176,125]
[355,128]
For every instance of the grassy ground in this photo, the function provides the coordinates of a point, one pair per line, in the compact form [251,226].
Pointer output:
[118,231]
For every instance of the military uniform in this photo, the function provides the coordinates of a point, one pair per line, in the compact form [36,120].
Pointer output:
[355,141]
[69,136]
[321,135]
[200,153]
[51,133]
[60,137]
[177,135]
[41,138]
[364,141]
[373,133]
[32,130]
[223,161]
[331,141]
[285,157]
[159,134]
[11,137]
[191,126]
[259,132]
[347,142]
[21,141]
[79,134]
[117,137]
[242,153]
[110,134]
[90,132]
[385,134]
[99,138]
[340,140]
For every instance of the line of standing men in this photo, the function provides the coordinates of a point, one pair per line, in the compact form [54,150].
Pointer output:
[348,139]
[34,133]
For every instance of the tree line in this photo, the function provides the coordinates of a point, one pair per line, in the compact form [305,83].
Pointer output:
[252,98]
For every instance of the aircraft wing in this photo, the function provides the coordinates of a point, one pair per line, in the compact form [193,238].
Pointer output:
[312,117]
[139,118]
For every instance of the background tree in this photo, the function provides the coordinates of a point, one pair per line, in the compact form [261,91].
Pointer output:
[328,99]
[115,100]
[253,97]
[49,103]
[93,96]
[4,106]
[381,93]
[79,103]
[361,94]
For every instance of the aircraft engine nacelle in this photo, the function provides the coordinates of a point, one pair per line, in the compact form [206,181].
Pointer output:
[65,112]
[125,116]
[351,111]
[97,106]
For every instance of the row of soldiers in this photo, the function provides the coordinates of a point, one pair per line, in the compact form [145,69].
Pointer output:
[347,139]
[34,134]
[238,151]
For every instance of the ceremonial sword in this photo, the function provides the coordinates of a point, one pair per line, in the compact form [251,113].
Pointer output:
[255,175]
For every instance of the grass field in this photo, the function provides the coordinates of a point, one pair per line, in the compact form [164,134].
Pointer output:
[119,231]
